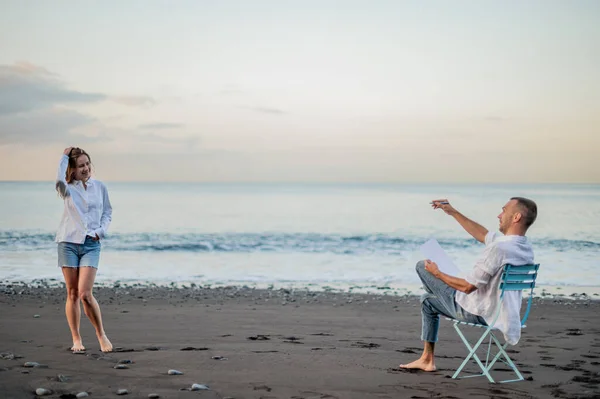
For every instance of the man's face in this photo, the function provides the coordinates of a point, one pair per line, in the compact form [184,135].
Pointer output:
[506,217]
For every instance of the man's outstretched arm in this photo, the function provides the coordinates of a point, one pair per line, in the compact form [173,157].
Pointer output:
[459,284]
[475,229]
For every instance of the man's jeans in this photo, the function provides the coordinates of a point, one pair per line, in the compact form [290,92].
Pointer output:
[439,300]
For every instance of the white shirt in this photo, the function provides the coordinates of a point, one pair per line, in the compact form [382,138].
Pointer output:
[87,211]
[486,276]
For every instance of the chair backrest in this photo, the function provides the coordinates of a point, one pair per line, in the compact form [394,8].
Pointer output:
[519,278]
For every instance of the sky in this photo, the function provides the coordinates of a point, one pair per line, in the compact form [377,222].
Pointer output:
[303,91]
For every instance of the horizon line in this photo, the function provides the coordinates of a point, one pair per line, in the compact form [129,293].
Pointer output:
[324,182]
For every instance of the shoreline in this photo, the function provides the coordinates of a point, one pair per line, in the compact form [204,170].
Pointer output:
[547,292]
[278,343]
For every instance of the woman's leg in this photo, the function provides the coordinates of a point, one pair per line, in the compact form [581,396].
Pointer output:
[72,308]
[87,275]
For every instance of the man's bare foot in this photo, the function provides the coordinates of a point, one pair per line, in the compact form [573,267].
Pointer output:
[78,346]
[420,365]
[105,345]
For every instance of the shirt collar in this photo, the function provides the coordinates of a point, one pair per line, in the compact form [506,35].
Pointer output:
[512,237]
[90,182]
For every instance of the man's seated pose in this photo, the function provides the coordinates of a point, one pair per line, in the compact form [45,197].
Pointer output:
[474,298]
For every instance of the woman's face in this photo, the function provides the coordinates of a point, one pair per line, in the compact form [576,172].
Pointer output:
[83,169]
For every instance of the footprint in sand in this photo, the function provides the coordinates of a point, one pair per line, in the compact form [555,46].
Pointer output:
[318,395]
[574,331]
[191,348]
[259,337]
[366,345]
[262,388]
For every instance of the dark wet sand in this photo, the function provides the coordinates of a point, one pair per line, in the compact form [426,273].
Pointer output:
[308,345]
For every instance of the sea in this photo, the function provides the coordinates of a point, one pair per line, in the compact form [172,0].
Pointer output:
[321,236]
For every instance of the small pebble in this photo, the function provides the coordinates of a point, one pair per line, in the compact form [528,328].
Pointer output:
[25,371]
[153,396]
[82,395]
[36,316]
[121,367]
[125,361]
[199,387]
[174,372]
[43,392]
[122,392]
[31,364]
[62,378]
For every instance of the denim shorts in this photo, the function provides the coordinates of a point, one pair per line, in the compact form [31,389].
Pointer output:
[79,255]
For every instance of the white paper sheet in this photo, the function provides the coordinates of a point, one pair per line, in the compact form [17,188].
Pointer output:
[434,252]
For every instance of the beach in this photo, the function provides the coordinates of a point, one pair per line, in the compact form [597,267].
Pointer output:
[249,343]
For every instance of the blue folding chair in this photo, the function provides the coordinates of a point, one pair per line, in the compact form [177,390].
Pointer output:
[514,278]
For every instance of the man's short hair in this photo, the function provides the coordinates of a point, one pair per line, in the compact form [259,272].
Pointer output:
[528,210]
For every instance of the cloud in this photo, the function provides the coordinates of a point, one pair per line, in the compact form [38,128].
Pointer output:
[163,125]
[43,126]
[34,107]
[134,101]
[266,110]
[26,87]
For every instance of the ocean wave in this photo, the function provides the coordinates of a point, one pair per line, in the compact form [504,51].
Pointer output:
[381,244]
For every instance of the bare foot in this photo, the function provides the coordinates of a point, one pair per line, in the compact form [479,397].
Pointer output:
[77,346]
[105,345]
[420,365]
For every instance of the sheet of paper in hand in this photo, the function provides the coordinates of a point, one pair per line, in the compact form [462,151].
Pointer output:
[434,252]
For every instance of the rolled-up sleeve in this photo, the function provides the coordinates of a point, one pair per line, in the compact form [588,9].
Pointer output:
[478,277]
[490,237]
[106,217]
[61,183]
[487,266]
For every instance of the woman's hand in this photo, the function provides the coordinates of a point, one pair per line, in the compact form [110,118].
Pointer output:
[67,151]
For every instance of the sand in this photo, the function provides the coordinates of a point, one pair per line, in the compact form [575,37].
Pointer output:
[247,343]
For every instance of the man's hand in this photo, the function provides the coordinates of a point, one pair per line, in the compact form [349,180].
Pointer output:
[444,205]
[475,229]
[67,151]
[459,284]
[432,268]
[96,238]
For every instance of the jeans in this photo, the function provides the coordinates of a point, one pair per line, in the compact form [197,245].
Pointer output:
[437,300]
[79,255]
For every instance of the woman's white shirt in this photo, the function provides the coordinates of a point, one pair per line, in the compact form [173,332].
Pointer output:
[87,212]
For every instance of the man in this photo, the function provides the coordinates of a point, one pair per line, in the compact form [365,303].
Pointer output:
[475,298]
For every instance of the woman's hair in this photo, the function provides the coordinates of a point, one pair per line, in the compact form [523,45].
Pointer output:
[75,153]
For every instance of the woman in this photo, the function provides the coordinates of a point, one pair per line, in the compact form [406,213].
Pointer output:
[84,223]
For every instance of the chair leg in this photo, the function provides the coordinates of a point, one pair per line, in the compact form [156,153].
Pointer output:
[472,354]
[502,352]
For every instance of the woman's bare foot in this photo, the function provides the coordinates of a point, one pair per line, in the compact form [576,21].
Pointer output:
[77,346]
[420,365]
[105,345]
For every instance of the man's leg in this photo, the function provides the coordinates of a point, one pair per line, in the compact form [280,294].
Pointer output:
[438,299]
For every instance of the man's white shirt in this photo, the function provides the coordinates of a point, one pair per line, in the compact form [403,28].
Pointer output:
[486,276]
